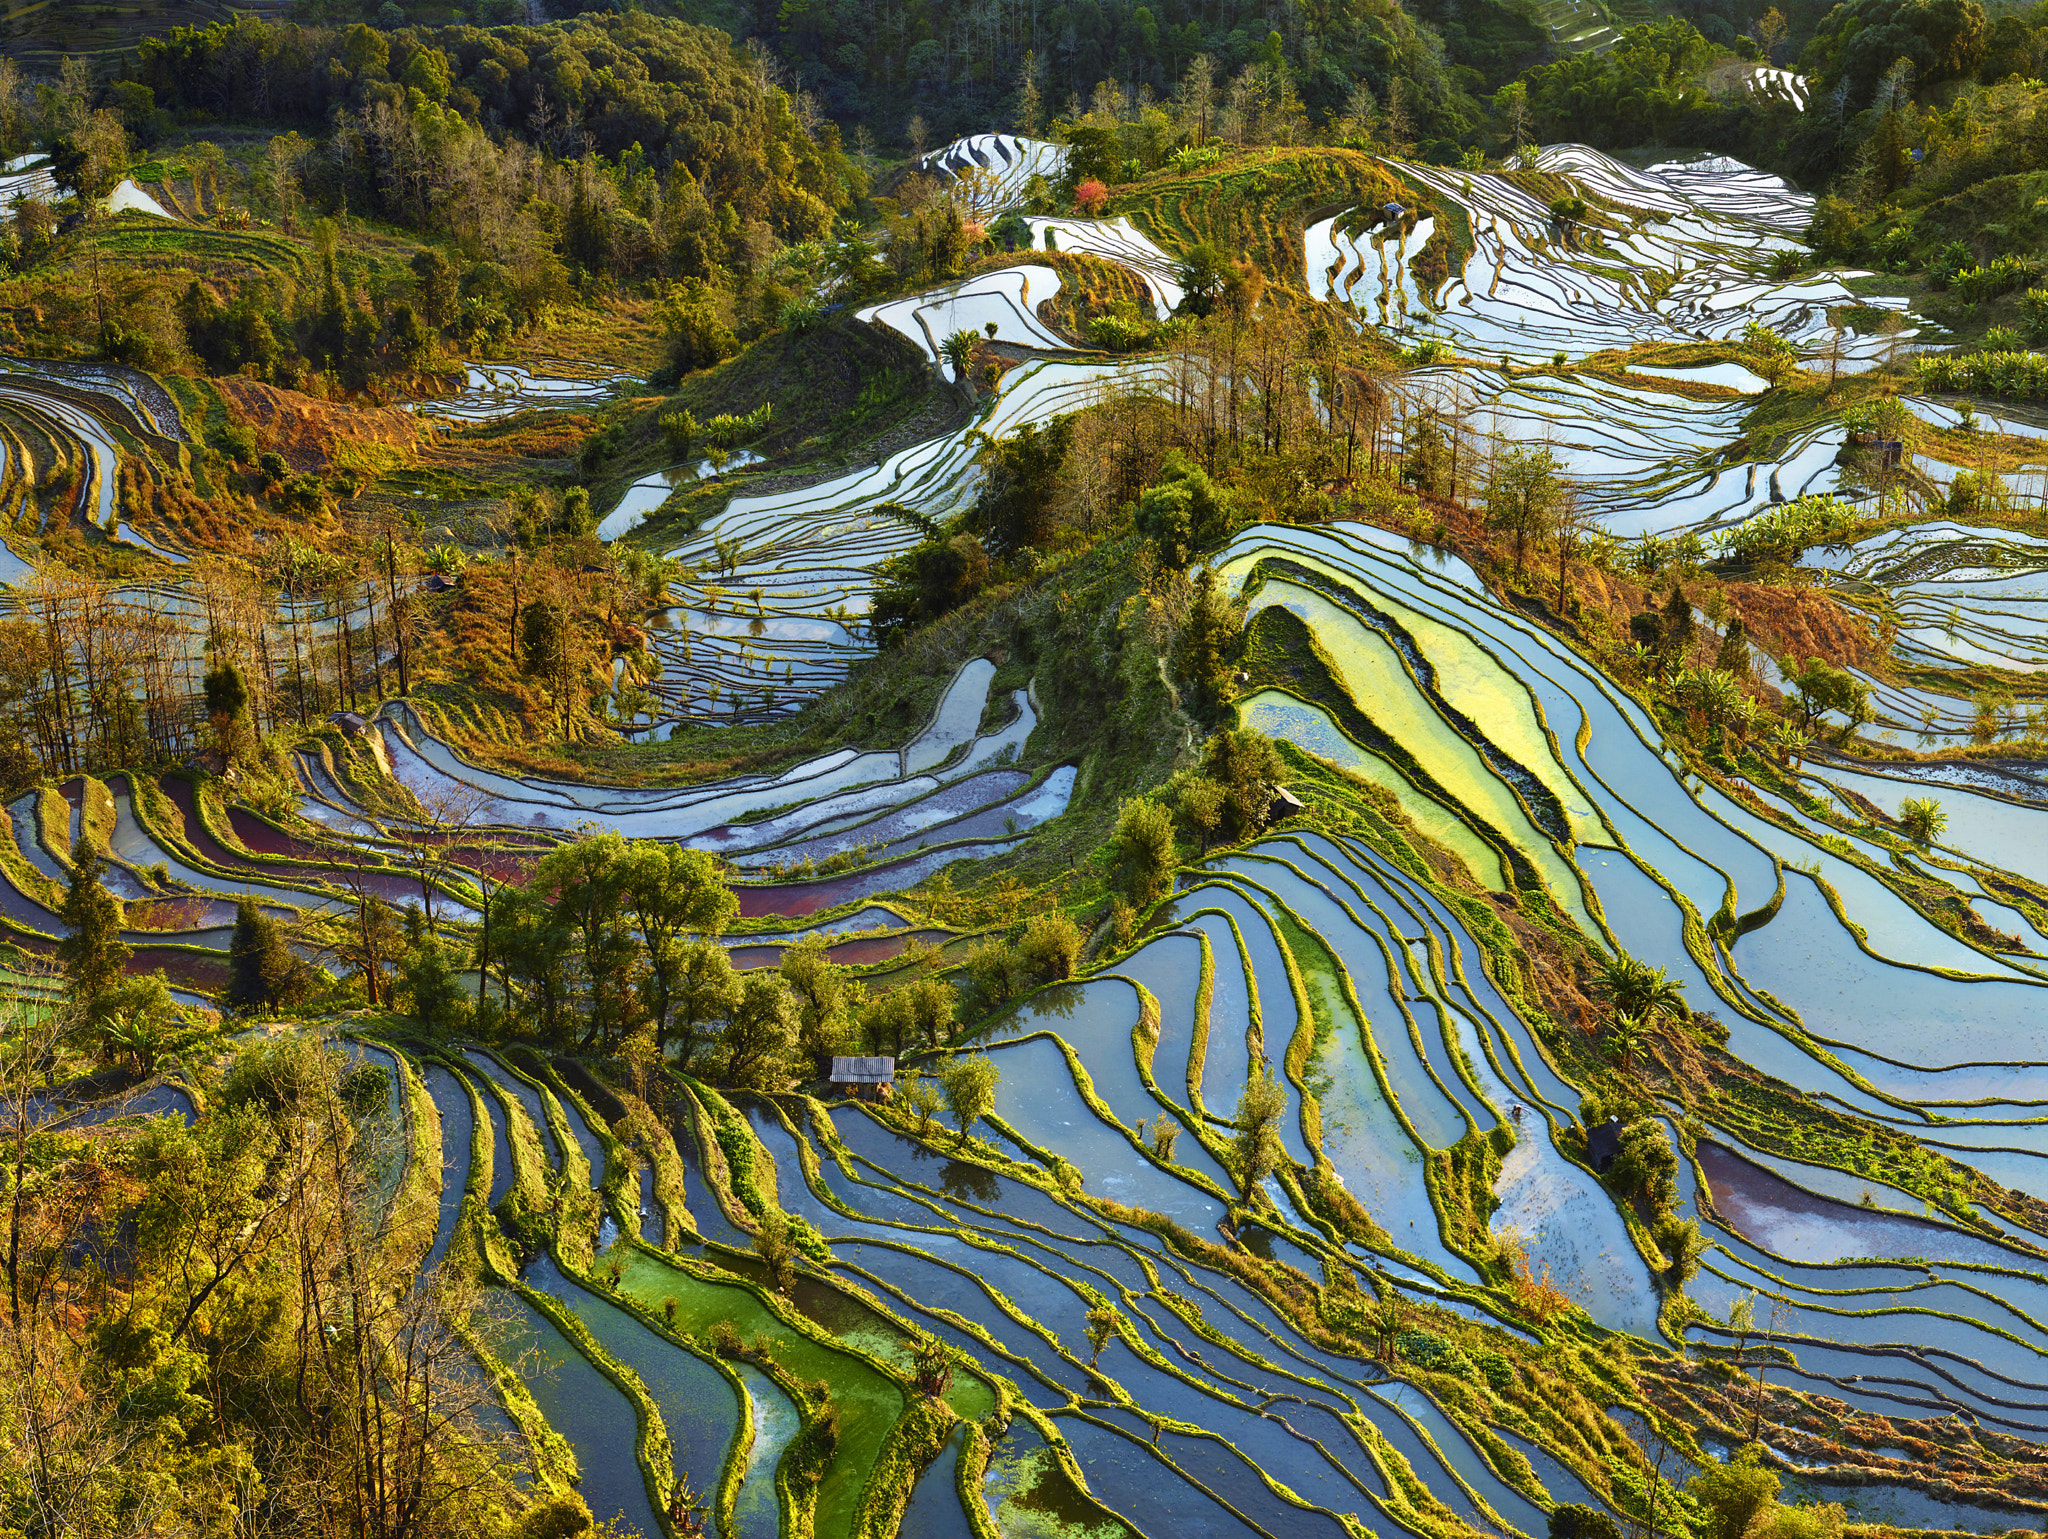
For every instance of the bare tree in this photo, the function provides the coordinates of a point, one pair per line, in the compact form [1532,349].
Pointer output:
[429,827]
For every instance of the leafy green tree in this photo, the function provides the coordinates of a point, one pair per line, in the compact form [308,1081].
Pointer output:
[1050,946]
[1256,1150]
[924,1103]
[957,348]
[1020,485]
[1858,44]
[759,1044]
[1632,986]
[1523,497]
[1184,510]
[776,1247]
[697,337]
[1165,1134]
[1249,769]
[1732,658]
[1732,1496]
[1773,356]
[1678,628]
[570,930]
[436,293]
[1647,84]
[1142,851]
[1202,275]
[89,161]
[92,953]
[1684,1248]
[134,1021]
[1571,1520]
[670,894]
[263,972]
[431,981]
[1213,629]
[1102,1329]
[227,708]
[1645,1169]
[1427,464]
[917,1013]
[830,1000]
[932,578]
[1511,111]
[701,993]
[1820,687]
[970,1087]
[1199,801]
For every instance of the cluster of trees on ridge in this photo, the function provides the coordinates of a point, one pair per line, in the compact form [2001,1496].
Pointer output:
[612,151]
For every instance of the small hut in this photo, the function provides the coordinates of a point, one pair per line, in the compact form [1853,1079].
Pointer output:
[1603,1144]
[865,1079]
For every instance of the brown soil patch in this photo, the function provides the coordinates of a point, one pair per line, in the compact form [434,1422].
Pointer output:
[1805,622]
[313,434]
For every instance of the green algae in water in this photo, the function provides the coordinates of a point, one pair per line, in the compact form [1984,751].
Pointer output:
[1033,1497]
[1476,683]
[1372,671]
[696,1402]
[757,1509]
[869,1403]
[1279,714]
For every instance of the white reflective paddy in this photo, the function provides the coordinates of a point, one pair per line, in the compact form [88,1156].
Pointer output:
[1000,305]
[493,390]
[1115,240]
[1009,161]
[1686,266]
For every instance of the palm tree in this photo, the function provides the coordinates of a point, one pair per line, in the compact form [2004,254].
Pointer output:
[1788,743]
[1637,989]
[958,350]
[1625,1034]
[135,1034]
[1923,818]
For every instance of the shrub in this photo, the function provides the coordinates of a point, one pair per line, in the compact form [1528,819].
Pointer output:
[1974,493]
[1498,1372]
[2001,275]
[2035,303]
[680,429]
[1786,533]
[1734,1495]
[1050,947]
[1090,198]
[1948,264]
[726,430]
[1923,818]
[1989,373]
[1121,333]
[1575,1521]
[1142,850]
[1012,231]
[1185,510]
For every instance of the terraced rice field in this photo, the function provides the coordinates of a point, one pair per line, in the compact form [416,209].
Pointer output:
[1005,162]
[1387,1000]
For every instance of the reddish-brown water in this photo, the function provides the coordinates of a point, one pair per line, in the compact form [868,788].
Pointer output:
[393,886]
